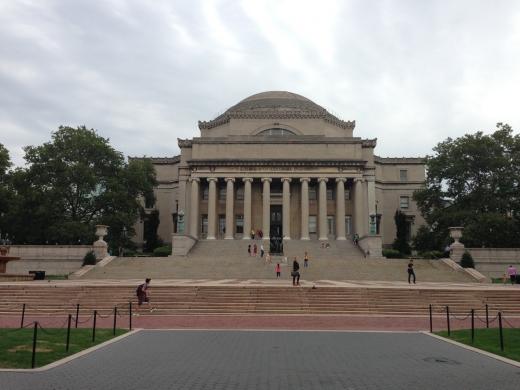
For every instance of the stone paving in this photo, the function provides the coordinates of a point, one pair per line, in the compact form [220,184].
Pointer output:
[273,360]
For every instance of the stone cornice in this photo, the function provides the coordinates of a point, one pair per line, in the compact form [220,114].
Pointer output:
[277,114]
[360,164]
[399,160]
[273,139]
[369,143]
[157,160]
[184,143]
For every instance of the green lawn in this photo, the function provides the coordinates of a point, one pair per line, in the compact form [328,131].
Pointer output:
[489,340]
[16,347]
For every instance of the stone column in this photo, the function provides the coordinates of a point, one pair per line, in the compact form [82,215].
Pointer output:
[247,207]
[305,208]
[194,213]
[340,208]
[286,212]
[358,206]
[229,208]
[366,213]
[322,209]
[212,208]
[266,207]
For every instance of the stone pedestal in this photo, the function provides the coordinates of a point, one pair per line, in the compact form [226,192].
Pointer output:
[372,243]
[100,246]
[456,249]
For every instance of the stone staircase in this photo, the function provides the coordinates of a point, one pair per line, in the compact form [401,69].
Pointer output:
[221,259]
[61,300]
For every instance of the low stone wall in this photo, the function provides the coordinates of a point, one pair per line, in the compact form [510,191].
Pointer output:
[53,259]
[491,262]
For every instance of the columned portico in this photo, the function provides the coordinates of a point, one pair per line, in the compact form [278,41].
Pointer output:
[194,218]
[212,208]
[340,208]
[322,209]
[247,207]
[266,207]
[305,207]
[229,208]
[286,211]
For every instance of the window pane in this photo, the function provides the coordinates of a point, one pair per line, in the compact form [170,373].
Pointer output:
[403,175]
[329,193]
[221,223]
[239,222]
[312,224]
[348,224]
[205,192]
[204,223]
[240,193]
[222,192]
[330,224]
[312,192]
[347,194]
[404,202]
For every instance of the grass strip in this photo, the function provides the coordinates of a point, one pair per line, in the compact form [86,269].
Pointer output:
[16,347]
[489,340]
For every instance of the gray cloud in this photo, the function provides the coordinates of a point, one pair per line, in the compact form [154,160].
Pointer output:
[143,73]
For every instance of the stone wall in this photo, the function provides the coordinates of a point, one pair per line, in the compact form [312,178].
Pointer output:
[491,262]
[53,259]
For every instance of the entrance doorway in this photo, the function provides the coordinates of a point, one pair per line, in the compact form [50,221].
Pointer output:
[276,221]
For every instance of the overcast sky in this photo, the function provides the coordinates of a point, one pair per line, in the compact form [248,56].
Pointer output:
[142,73]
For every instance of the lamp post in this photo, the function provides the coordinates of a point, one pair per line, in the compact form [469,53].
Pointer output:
[372,223]
[181,222]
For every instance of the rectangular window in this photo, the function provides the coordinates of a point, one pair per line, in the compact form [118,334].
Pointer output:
[205,191]
[403,175]
[222,192]
[204,223]
[330,193]
[347,194]
[240,193]
[312,193]
[405,202]
[330,224]
[222,223]
[239,222]
[313,222]
[348,224]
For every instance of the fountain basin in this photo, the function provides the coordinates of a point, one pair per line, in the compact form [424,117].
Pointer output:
[4,277]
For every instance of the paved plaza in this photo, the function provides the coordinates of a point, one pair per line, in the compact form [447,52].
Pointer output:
[218,359]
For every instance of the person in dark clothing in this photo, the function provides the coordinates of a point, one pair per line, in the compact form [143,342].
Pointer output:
[410,272]
[296,273]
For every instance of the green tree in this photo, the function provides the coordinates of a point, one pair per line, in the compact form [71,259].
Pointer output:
[467,260]
[400,244]
[153,226]
[5,165]
[473,182]
[75,182]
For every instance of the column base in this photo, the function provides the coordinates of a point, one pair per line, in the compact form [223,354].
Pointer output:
[246,238]
[210,238]
[287,239]
[229,238]
[323,239]
[341,239]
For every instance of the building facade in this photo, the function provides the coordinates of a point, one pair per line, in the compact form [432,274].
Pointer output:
[279,163]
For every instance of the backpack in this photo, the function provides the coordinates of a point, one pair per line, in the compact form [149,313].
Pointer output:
[139,290]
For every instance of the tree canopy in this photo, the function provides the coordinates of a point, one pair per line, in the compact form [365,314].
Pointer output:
[73,183]
[5,164]
[473,182]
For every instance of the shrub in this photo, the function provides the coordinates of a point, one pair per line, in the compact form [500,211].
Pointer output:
[129,253]
[392,254]
[467,260]
[162,251]
[89,259]
[429,254]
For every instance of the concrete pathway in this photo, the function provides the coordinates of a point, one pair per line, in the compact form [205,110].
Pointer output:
[273,360]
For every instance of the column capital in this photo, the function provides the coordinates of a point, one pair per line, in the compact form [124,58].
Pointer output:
[249,179]
[307,179]
[264,179]
[343,179]
[360,179]
[229,179]
[320,179]
[192,179]
[287,179]
[210,179]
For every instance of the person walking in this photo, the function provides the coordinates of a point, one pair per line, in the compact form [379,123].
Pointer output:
[356,238]
[447,252]
[142,292]
[262,251]
[278,270]
[255,249]
[249,250]
[410,272]
[295,272]
[306,260]
[267,258]
[512,274]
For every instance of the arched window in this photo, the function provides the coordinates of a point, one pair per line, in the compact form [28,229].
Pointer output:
[276,131]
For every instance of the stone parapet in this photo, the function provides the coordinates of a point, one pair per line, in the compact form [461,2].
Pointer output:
[181,244]
[372,243]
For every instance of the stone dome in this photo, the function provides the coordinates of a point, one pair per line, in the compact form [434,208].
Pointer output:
[276,100]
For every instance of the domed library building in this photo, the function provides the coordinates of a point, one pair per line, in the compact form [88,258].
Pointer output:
[279,165]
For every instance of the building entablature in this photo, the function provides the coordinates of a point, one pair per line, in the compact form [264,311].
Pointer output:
[399,160]
[273,139]
[157,160]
